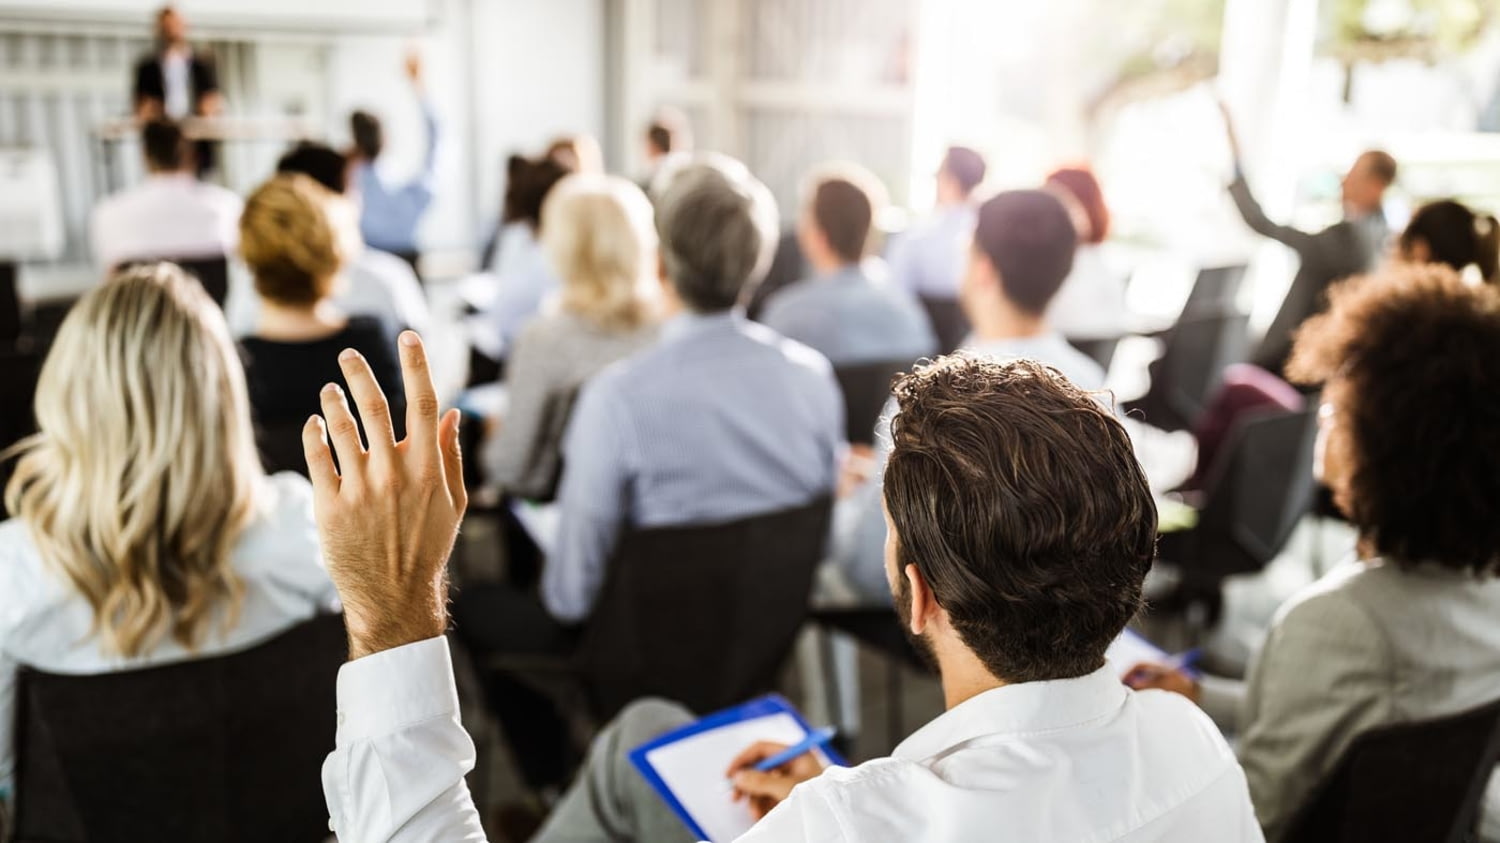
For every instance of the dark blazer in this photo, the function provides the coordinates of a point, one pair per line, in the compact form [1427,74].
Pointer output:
[1338,251]
[151,83]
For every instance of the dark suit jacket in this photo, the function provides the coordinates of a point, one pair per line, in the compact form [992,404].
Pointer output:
[1338,251]
[151,83]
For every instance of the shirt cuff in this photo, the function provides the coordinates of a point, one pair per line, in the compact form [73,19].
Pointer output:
[390,690]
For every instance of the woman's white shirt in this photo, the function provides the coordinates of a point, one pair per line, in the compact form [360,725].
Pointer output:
[46,624]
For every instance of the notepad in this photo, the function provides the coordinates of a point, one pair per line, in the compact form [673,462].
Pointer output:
[687,766]
[1131,649]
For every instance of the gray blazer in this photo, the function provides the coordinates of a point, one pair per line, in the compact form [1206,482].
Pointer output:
[1366,646]
[1338,251]
[552,357]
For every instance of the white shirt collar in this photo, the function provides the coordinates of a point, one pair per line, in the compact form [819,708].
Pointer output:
[1027,708]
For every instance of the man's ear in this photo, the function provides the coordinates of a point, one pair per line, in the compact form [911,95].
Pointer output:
[924,605]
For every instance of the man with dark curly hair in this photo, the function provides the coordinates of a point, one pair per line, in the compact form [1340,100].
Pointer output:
[1409,629]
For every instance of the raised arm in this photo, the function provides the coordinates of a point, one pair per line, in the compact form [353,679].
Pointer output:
[1249,208]
[387,520]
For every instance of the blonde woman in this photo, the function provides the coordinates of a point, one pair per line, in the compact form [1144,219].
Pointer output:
[145,531]
[597,233]
[296,237]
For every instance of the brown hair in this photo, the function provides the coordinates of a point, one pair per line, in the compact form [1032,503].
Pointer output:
[291,242]
[1081,183]
[1030,239]
[1456,237]
[1382,164]
[527,183]
[842,200]
[1019,499]
[1416,354]
[966,166]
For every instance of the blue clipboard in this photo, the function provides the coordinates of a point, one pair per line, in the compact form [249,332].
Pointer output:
[766,706]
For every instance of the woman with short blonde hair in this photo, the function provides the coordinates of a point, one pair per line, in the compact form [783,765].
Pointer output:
[145,530]
[296,236]
[597,233]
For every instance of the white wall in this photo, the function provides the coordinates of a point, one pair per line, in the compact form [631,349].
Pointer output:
[539,72]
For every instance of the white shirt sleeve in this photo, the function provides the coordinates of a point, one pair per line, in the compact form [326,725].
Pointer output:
[396,774]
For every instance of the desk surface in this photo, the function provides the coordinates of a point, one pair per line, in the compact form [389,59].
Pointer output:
[231,129]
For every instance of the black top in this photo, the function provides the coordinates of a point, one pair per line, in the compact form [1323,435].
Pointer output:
[151,83]
[285,379]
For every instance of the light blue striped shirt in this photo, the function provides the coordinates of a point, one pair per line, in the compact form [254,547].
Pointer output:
[930,258]
[722,419]
[390,213]
[852,316]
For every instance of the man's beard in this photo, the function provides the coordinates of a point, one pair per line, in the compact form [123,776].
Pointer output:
[920,643]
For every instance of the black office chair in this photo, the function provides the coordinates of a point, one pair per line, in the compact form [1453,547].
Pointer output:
[866,388]
[704,615]
[225,749]
[1259,488]
[879,628]
[788,266]
[1197,351]
[1215,290]
[1101,351]
[1411,781]
[211,272]
[948,322]
[19,368]
[10,306]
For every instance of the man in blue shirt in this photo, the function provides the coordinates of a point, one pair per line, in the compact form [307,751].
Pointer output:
[928,260]
[721,420]
[391,212]
[850,311]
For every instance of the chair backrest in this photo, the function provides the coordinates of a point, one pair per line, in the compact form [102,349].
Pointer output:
[1183,380]
[704,615]
[866,388]
[545,463]
[1215,290]
[19,369]
[1261,485]
[948,322]
[10,305]
[211,272]
[226,749]
[1410,781]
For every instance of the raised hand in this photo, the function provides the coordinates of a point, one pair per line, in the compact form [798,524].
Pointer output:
[387,516]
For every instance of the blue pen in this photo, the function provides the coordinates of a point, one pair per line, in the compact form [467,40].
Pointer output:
[816,739]
[1187,662]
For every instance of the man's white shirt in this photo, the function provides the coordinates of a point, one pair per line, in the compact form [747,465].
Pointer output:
[1081,759]
[169,215]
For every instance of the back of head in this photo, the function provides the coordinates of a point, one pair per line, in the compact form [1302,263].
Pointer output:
[1029,238]
[368,134]
[1456,237]
[144,471]
[965,166]
[718,228]
[527,183]
[296,236]
[668,132]
[1019,499]
[597,232]
[1381,165]
[1081,184]
[842,200]
[165,148]
[577,153]
[1409,356]
[324,164]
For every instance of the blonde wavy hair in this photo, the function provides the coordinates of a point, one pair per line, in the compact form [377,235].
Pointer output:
[145,470]
[296,236]
[597,231]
